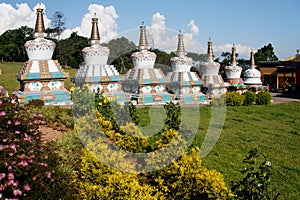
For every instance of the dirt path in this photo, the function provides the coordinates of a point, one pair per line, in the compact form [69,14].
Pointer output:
[278,98]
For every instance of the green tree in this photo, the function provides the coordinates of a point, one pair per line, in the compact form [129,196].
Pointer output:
[71,50]
[266,53]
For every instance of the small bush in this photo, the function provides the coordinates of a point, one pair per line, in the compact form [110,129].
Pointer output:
[234,99]
[263,98]
[256,183]
[250,98]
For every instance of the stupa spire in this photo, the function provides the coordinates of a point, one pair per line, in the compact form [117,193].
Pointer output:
[209,50]
[95,36]
[180,46]
[39,25]
[252,61]
[143,45]
[233,57]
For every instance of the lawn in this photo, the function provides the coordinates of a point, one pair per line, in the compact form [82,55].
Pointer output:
[10,70]
[274,129]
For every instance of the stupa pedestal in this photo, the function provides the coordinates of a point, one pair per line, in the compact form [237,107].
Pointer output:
[144,83]
[41,77]
[186,85]
[101,77]
[210,75]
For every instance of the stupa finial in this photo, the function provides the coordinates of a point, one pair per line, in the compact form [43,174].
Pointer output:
[233,56]
[39,25]
[143,45]
[180,47]
[252,61]
[298,51]
[209,49]
[95,36]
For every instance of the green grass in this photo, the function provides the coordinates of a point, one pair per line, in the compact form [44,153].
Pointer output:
[10,70]
[274,129]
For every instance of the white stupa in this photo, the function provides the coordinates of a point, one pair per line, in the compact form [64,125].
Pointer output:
[41,77]
[252,75]
[233,71]
[209,71]
[146,84]
[101,77]
[184,83]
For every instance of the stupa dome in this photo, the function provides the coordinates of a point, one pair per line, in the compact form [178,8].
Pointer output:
[39,48]
[143,59]
[252,75]
[95,54]
[181,62]
[233,71]
[210,67]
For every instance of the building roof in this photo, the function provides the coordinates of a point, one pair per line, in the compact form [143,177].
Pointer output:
[294,58]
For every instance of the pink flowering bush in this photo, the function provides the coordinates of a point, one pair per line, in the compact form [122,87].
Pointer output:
[24,169]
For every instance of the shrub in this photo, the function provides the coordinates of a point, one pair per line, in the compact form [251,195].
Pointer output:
[257,179]
[234,99]
[25,170]
[250,98]
[263,98]
[187,179]
[36,103]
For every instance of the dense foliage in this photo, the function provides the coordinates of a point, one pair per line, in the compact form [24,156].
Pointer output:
[234,99]
[250,98]
[263,98]
[25,165]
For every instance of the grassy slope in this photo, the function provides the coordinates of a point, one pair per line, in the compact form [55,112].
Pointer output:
[10,70]
[274,129]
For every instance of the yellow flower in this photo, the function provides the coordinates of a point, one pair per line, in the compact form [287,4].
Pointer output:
[105,101]
[100,104]
[72,89]
[103,95]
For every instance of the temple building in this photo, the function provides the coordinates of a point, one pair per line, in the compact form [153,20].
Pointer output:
[101,77]
[146,84]
[41,77]
[283,75]
[186,85]
[209,71]
[252,75]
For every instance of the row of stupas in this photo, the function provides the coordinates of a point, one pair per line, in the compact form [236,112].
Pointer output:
[43,78]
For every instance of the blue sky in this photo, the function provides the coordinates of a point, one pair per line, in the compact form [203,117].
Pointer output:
[251,24]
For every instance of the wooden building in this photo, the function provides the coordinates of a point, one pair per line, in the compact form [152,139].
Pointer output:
[283,74]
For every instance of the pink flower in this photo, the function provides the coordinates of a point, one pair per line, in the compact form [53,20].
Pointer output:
[48,174]
[1,147]
[17,132]
[23,163]
[13,147]
[10,176]
[17,122]
[2,176]
[26,187]
[8,122]
[2,113]
[39,115]
[17,192]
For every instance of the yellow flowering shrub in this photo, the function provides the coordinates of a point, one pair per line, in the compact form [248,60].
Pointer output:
[95,180]
[187,179]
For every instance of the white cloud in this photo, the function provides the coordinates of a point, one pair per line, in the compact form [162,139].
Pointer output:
[22,15]
[242,50]
[166,39]
[107,23]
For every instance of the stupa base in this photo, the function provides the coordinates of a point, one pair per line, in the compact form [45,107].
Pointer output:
[192,98]
[59,98]
[158,98]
